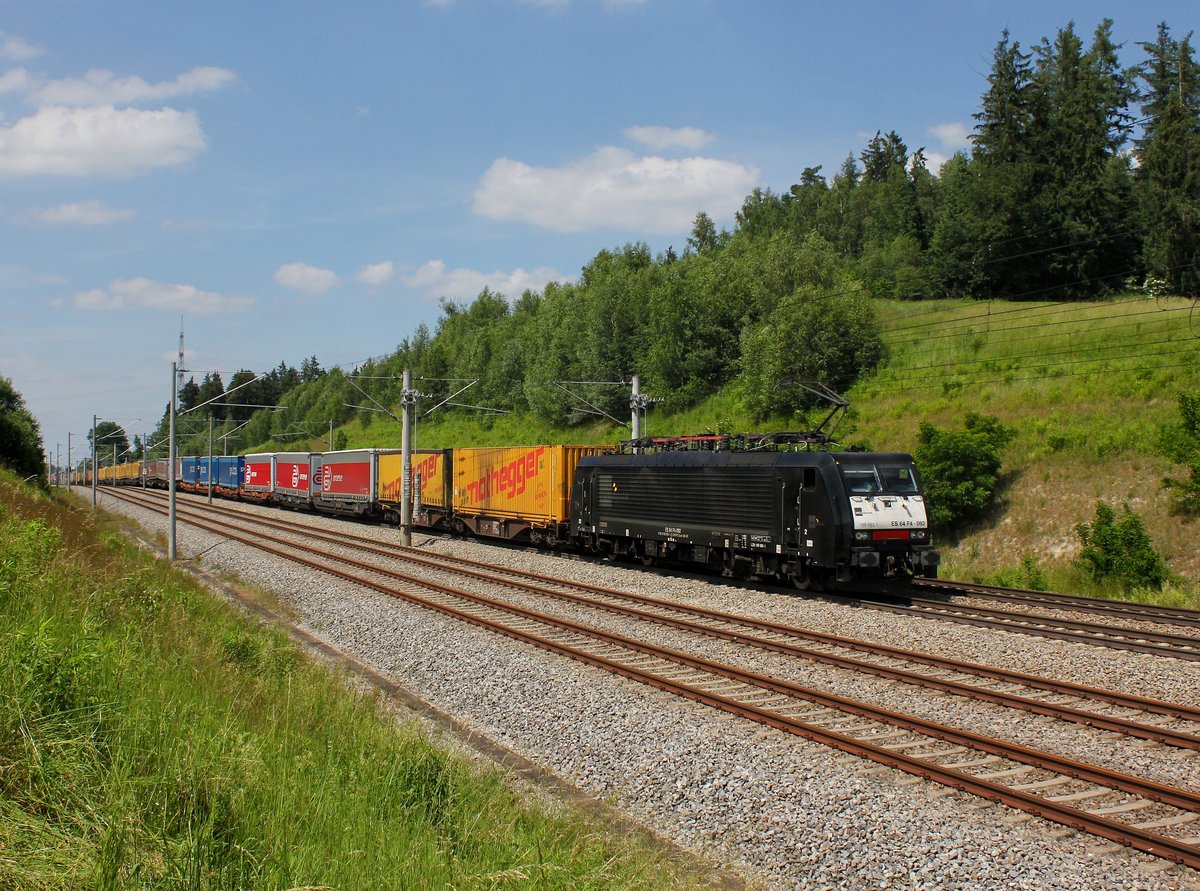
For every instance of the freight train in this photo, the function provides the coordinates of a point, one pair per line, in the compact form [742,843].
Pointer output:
[748,506]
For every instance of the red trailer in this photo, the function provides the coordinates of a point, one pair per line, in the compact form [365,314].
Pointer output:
[257,476]
[347,482]
[292,478]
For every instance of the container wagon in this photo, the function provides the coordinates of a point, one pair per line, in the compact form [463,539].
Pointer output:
[257,476]
[521,493]
[292,479]
[348,481]
[228,473]
[432,486]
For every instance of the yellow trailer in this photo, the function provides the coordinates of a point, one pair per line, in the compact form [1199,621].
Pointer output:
[521,492]
[431,476]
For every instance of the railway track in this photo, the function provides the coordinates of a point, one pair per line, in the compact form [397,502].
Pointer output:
[1164,615]
[1138,640]
[1134,716]
[1150,816]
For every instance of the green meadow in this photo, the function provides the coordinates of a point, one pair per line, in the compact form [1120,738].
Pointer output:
[151,736]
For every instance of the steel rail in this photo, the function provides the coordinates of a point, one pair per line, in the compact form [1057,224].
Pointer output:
[1136,634]
[1163,615]
[1162,846]
[1186,649]
[1067,712]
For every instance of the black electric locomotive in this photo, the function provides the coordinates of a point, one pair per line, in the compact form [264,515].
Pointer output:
[825,520]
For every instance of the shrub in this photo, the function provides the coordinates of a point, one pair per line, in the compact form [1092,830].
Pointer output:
[1121,550]
[961,468]
[1028,575]
[20,436]
[1181,443]
[813,335]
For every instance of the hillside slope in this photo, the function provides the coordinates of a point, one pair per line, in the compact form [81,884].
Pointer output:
[1087,385]
[1088,388]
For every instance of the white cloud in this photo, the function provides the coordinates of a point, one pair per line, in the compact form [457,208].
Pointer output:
[613,187]
[102,141]
[661,138]
[953,136]
[303,277]
[16,48]
[434,280]
[100,87]
[86,213]
[377,273]
[144,293]
[935,161]
[17,80]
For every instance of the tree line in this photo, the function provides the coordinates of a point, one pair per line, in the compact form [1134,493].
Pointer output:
[1083,179]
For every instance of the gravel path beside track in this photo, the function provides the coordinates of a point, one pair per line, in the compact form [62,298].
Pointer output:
[787,813]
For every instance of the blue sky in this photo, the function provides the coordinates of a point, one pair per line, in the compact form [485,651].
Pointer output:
[309,178]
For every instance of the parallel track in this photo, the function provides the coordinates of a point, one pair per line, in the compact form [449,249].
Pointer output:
[1173,646]
[1165,615]
[977,682]
[956,758]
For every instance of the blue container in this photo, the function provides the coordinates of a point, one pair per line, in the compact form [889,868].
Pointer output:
[230,471]
[190,471]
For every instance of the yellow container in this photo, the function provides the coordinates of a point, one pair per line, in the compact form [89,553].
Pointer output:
[430,465]
[530,483]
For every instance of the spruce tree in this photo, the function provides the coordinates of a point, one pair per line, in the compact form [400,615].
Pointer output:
[1168,174]
[1083,122]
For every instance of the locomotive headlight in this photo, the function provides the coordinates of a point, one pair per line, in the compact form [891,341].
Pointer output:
[862,535]
[920,534]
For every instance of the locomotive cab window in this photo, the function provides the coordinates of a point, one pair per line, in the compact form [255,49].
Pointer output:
[810,479]
[898,479]
[888,479]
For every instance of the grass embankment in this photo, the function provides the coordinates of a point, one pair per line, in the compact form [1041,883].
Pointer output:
[152,737]
[1088,386]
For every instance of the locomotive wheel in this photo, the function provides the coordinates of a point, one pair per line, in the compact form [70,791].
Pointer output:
[809,581]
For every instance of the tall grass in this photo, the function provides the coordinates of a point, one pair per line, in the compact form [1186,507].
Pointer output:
[151,737]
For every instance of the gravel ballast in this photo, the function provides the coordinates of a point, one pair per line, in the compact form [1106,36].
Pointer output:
[784,812]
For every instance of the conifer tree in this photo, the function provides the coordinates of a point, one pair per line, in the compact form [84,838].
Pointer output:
[1168,174]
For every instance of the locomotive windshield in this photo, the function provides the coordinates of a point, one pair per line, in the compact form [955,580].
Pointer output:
[880,479]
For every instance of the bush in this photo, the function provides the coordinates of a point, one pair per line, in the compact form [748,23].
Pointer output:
[813,335]
[1181,443]
[20,436]
[1121,550]
[961,468]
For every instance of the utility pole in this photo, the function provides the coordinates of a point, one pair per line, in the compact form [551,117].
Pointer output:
[171,461]
[210,457]
[58,464]
[70,469]
[636,426]
[179,366]
[94,472]
[408,399]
